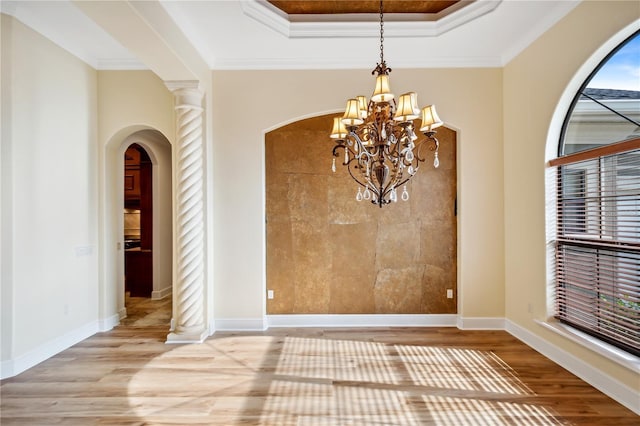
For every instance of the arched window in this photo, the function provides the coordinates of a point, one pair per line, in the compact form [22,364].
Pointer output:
[597,191]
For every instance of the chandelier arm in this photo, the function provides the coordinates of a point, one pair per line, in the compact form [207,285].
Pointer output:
[361,146]
[357,160]
[365,184]
[345,147]
[432,145]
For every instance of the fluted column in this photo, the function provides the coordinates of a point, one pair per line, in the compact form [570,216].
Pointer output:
[189,322]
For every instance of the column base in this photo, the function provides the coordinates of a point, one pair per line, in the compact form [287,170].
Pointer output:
[187,336]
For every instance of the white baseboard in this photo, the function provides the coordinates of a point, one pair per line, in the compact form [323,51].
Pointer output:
[239,324]
[108,323]
[480,323]
[35,356]
[358,320]
[603,382]
[161,294]
[122,313]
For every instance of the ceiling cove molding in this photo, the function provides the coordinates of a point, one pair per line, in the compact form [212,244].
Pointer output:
[349,26]
[314,63]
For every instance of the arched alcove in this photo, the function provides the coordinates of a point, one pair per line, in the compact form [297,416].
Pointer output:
[327,253]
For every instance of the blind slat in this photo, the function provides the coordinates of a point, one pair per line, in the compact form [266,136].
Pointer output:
[598,244]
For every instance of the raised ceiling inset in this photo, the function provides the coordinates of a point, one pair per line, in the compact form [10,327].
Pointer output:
[332,7]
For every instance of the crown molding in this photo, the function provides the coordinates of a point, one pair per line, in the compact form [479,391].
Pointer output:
[354,26]
[315,63]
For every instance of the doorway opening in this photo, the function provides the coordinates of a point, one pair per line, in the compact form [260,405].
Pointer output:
[138,222]
[146,229]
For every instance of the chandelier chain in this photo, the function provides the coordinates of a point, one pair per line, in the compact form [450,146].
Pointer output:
[381,34]
[381,150]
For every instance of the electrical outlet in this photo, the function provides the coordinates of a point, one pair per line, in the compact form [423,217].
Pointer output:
[449,293]
[269,294]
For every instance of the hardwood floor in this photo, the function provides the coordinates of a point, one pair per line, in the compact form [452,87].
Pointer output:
[374,376]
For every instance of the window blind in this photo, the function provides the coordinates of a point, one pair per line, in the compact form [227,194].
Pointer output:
[597,287]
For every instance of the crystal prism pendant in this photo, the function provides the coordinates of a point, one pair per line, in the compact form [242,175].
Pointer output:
[367,194]
[405,194]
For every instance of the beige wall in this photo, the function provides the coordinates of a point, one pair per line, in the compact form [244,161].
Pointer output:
[542,78]
[132,103]
[249,103]
[49,197]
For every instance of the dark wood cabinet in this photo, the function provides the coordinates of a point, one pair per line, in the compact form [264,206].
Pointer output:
[132,184]
[138,271]
[132,176]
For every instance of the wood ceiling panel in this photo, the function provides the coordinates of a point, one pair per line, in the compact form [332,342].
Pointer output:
[323,7]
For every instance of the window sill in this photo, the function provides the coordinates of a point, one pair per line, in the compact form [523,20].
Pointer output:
[610,352]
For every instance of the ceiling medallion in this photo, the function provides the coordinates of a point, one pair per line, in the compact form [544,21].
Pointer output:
[381,150]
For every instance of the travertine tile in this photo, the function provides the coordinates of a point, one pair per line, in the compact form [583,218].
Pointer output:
[399,291]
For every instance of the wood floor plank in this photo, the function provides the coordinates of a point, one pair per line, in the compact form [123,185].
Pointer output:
[305,376]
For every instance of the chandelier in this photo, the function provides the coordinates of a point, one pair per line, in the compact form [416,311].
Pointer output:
[381,150]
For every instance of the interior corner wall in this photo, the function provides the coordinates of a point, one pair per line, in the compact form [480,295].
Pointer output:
[49,201]
[534,83]
[247,104]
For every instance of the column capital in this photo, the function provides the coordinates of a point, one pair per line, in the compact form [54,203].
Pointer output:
[174,85]
[187,93]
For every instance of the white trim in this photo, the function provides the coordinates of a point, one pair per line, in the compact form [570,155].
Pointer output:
[162,293]
[108,323]
[122,313]
[479,323]
[239,324]
[368,320]
[344,62]
[585,371]
[45,351]
[363,25]
[614,354]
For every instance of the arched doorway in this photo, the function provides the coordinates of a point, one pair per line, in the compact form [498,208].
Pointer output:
[159,243]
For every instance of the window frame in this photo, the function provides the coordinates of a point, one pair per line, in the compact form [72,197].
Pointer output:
[583,86]
[598,228]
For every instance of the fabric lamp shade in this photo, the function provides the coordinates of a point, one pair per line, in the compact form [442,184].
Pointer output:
[338,131]
[382,92]
[351,115]
[406,108]
[430,119]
